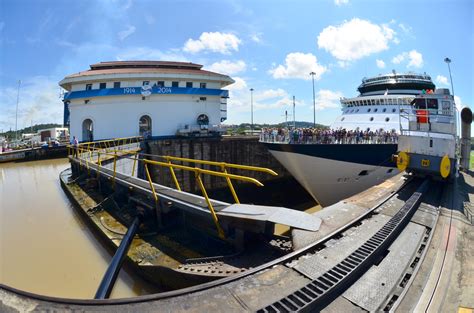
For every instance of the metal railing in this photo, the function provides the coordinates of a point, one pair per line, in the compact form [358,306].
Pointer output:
[98,152]
[330,138]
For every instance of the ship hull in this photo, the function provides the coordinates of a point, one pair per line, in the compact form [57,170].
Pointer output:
[334,172]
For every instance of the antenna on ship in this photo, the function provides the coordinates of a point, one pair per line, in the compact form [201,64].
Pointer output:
[448,61]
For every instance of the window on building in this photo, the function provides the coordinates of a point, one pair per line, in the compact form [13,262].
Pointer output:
[103,85]
[116,84]
[144,126]
[175,84]
[146,82]
[189,84]
[87,130]
[88,86]
[161,83]
[202,85]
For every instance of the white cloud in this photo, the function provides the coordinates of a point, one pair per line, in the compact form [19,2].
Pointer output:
[340,2]
[256,37]
[414,58]
[270,94]
[39,103]
[380,63]
[228,67]
[299,65]
[399,58]
[442,80]
[239,84]
[328,99]
[216,42]
[127,32]
[355,39]
[239,99]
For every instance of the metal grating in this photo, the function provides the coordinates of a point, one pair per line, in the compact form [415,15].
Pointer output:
[323,289]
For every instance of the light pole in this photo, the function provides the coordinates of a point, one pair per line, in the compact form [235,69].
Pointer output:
[251,110]
[314,101]
[448,61]
[16,115]
[294,116]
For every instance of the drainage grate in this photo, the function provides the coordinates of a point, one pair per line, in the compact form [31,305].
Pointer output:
[325,288]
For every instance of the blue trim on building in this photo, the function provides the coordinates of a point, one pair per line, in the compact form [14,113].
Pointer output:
[138,91]
[369,154]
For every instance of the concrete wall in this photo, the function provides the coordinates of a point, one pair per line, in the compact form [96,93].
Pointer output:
[118,116]
[238,150]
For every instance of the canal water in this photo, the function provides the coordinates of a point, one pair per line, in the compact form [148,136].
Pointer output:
[45,247]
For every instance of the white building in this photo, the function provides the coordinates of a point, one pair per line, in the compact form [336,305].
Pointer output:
[127,98]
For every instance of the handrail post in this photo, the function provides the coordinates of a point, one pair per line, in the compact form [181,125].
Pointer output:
[220,232]
[173,175]
[231,187]
[98,163]
[150,182]
[134,164]
[115,166]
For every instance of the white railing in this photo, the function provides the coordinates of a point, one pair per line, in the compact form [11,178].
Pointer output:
[310,136]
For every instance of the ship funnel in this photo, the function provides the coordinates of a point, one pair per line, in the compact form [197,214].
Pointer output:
[466,120]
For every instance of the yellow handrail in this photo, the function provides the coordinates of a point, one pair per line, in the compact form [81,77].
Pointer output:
[85,150]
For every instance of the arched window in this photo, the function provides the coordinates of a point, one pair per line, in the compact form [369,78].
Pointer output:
[144,126]
[87,130]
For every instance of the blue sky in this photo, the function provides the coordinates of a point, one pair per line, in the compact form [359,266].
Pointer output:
[270,46]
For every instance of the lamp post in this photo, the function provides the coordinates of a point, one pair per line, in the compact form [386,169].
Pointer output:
[251,110]
[16,115]
[314,101]
[448,61]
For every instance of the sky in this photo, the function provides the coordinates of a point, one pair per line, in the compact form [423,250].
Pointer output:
[269,46]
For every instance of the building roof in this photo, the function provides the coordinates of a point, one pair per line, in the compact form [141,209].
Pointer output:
[163,67]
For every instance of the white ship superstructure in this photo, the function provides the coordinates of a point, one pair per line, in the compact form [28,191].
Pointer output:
[332,172]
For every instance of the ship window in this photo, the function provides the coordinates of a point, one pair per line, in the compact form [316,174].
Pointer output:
[377,102]
[357,110]
[342,119]
[175,84]
[202,85]
[368,110]
[88,86]
[189,84]
[373,102]
[387,119]
[116,84]
[146,82]
[432,103]
[364,173]
[394,110]
[375,110]
[103,85]
[371,119]
[381,101]
[384,110]
[161,83]
[389,170]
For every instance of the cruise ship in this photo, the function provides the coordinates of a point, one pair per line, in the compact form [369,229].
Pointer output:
[334,171]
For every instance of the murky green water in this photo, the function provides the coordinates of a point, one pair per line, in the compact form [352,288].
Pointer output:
[45,247]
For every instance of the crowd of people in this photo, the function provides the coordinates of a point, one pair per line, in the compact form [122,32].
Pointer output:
[327,136]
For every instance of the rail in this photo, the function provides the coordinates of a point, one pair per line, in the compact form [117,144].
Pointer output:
[99,152]
[306,136]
